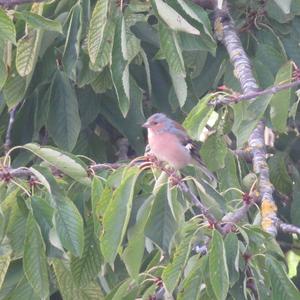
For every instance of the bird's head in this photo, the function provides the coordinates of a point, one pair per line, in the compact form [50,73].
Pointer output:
[157,122]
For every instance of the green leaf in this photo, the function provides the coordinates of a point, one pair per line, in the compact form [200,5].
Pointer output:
[198,117]
[174,270]
[161,225]
[23,290]
[41,178]
[280,102]
[85,269]
[63,161]
[295,206]
[3,68]
[38,22]
[14,89]
[232,257]
[103,82]
[69,226]
[173,19]
[133,253]
[7,28]
[4,264]
[116,216]
[171,50]
[180,87]
[16,226]
[97,28]
[278,173]
[228,177]
[96,194]
[246,117]
[43,213]
[68,287]
[211,198]
[72,44]
[282,286]
[285,6]
[218,270]
[119,67]
[192,283]
[105,51]
[194,14]
[214,151]
[64,121]
[35,261]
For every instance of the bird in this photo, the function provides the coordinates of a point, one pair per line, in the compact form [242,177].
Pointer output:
[170,143]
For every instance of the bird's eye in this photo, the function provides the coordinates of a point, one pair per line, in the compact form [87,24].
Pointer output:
[155,123]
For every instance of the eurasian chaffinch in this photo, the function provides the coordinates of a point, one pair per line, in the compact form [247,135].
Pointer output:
[170,143]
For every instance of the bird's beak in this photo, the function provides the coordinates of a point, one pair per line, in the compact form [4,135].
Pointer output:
[146,125]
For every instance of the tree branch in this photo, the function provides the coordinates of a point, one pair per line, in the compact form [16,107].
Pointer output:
[250,96]
[226,33]
[287,228]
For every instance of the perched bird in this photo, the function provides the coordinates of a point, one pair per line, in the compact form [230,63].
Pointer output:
[170,143]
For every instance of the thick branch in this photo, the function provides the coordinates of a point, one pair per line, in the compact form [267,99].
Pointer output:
[226,33]
[250,96]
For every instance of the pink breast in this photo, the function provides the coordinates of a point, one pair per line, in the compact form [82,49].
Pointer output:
[166,147]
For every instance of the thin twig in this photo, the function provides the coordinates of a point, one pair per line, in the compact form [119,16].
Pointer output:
[252,95]
[288,228]
[8,141]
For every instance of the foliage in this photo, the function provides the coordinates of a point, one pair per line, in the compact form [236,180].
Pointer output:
[83,74]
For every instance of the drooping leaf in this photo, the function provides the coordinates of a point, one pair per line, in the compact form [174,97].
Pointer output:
[65,162]
[247,116]
[192,283]
[278,173]
[171,50]
[35,261]
[7,28]
[161,225]
[116,216]
[198,117]
[85,269]
[69,289]
[39,22]
[228,177]
[180,88]
[214,151]
[231,244]
[218,270]
[280,102]
[72,45]
[119,67]
[282,286]
[103,57]
[4,264]
[64,122]
[97,28]
[285,6]
[173,19]
[14,88]
[133,253]
[69,226]
[173,271]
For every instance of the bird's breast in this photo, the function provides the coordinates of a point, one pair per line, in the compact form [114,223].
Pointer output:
[167,147]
